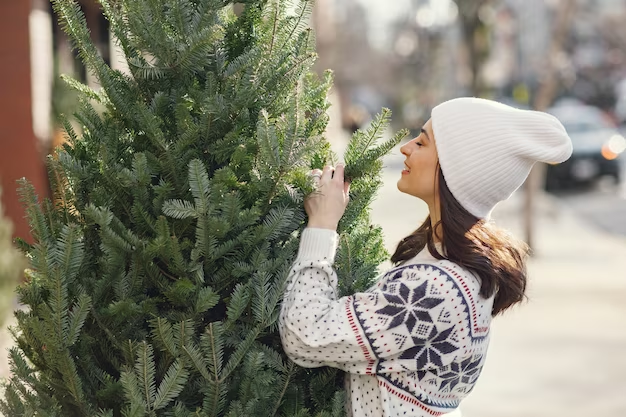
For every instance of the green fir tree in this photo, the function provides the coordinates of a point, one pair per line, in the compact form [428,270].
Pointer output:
[158,267]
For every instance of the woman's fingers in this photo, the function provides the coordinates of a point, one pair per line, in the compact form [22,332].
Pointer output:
[326,206]
[316,176]
[339,179]
[331,174]
[338,176]
[327,175]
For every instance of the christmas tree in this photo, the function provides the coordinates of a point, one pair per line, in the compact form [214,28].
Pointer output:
[159,264]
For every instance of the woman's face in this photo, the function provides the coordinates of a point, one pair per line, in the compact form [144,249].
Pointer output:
[420,173]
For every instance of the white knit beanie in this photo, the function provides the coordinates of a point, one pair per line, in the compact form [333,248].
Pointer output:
[486,149]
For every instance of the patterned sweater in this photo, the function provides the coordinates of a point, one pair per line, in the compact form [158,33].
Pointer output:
[412,345]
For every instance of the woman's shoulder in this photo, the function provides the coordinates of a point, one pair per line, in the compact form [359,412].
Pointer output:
[443,273]
[447,288]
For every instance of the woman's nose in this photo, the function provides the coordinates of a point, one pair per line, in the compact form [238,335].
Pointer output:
[405,149]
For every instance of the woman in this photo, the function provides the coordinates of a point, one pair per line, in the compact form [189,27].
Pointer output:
[415,343]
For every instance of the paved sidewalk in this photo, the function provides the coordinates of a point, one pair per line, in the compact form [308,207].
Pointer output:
[5,344]
[562,353]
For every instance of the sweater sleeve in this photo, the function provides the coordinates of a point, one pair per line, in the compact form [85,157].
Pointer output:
[413,319]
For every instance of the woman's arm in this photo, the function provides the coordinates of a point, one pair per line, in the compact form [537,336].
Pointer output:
[417,319]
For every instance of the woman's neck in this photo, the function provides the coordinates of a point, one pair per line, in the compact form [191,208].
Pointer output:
[435,217]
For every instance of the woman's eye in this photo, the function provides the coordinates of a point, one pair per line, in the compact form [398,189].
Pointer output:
[419,144]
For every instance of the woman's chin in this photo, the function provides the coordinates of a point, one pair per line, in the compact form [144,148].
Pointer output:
[400,185]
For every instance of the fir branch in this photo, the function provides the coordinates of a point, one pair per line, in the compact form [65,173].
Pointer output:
[268,141]
[75,25]
[297,65]
[121,30]
[143,70]
[145,372]
[183,332]
[194,55]
[179,209]
[164,335]
[130,384]
[238,303]
[290,373]
[304,12]
[77,317]
[70,133]
[275,18]
[358,147]
[213,344]
[261,288]
[86,91]
[172,384]
[360,156]
[199,185]
[240,352]
[241,62]
[67,369]
[39,227]
[110,335]
[60,190]
[58,308]
[193,353]
[69,252]
[206,300]
[277,223]
[339,404]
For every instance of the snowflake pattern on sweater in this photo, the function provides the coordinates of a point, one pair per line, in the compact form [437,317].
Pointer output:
[414,344]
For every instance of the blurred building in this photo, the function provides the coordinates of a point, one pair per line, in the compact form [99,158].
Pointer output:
[361,72]
[591,61]
[598,51]
[32,41]
[20,154]
[532,36]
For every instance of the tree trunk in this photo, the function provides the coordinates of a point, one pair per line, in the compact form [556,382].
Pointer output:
[543,99]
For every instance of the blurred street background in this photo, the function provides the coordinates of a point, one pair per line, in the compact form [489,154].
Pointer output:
[562,353]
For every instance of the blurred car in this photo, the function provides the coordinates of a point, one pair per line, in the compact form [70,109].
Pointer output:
[620,102]
[597,147]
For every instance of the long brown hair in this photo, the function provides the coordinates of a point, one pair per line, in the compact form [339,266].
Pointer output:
[492,253]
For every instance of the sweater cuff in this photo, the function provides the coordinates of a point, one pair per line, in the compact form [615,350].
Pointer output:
[318,244]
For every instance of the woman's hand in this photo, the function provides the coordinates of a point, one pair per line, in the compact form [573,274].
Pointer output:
[327,204]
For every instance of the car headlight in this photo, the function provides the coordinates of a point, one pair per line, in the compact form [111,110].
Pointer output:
[617,144]
[614,147]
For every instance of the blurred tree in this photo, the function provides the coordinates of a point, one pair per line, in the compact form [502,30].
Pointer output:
[544,97]
[475,29]
[158,267]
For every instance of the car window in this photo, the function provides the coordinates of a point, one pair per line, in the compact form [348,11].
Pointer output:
[581,119]
[582,126]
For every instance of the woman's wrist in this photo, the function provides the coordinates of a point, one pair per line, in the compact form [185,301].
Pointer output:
[322,225]
[317,244]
